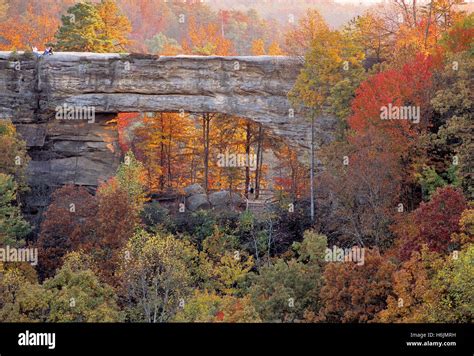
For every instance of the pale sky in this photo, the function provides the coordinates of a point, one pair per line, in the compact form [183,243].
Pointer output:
[358,1]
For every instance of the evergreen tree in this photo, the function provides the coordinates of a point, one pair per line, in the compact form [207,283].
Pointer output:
[93,28]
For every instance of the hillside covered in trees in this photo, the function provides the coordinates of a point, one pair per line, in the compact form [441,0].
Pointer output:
[375,226]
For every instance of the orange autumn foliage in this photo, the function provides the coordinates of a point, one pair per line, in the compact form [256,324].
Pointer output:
[27,30]
[207,40]
[355,293]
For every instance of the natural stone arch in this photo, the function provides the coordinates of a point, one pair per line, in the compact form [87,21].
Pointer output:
[254,88]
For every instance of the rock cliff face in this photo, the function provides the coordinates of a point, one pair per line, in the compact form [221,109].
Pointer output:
[85,152]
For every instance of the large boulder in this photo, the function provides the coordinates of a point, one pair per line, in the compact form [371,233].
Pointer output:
[197,202]
[225,198]
[194,189]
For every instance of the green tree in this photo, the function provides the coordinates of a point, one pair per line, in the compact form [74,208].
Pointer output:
[331,73]
[158,272]
[453,143]
[372,33]
[74,294]
[77,294]
[230,271]
[160,42]
[82,30]
[131,177]
[12,226]
[454,286]
[92,27]
[231,266]
[22,299]
[199,225]
[430,180]
[286,290]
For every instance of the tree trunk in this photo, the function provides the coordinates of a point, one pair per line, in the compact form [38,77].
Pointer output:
[428,24]
[311,174]
[206,119]
[247,153]
[162,154]
[259,161]
[170,139]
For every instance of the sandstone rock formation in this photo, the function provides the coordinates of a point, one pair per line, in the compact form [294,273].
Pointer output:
[194,189]
[82,152]
[197,202]
[224,199]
